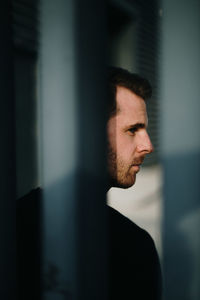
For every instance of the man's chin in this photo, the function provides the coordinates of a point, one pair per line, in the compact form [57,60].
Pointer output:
[124,184]
[127,185]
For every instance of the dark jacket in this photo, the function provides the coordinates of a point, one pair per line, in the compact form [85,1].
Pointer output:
[134,264]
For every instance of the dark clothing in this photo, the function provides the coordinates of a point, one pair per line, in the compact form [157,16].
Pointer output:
[29,250]
[134,265]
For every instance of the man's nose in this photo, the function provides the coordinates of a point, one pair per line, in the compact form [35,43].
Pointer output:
[144,144]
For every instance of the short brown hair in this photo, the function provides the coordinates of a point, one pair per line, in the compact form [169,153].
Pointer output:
[135,83]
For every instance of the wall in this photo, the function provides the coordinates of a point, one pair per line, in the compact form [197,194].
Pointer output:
[180,125]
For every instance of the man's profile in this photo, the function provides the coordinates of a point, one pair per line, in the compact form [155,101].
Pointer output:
[134,264]
[134,269]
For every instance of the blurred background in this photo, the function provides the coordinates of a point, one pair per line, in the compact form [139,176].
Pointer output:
[54,56]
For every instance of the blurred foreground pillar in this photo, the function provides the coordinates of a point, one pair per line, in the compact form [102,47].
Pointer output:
[7,156]
[73,95]
[180,126]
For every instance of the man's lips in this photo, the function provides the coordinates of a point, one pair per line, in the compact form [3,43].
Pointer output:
[138,163]
[136,167]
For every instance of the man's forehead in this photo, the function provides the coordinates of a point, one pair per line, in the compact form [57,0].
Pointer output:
[128,102]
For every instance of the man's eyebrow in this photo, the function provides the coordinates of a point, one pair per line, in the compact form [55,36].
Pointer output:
[137,126]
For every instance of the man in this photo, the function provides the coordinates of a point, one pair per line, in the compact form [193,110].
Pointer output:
[134,263]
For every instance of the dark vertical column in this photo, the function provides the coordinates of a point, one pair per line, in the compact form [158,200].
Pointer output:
[91,90]
[7,157]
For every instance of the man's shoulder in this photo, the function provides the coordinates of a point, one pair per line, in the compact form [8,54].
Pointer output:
[120,220]
[124,227]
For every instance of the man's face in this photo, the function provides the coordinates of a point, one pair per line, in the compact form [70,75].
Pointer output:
[128,140]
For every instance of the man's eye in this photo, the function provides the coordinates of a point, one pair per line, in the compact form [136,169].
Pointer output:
[132,130]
